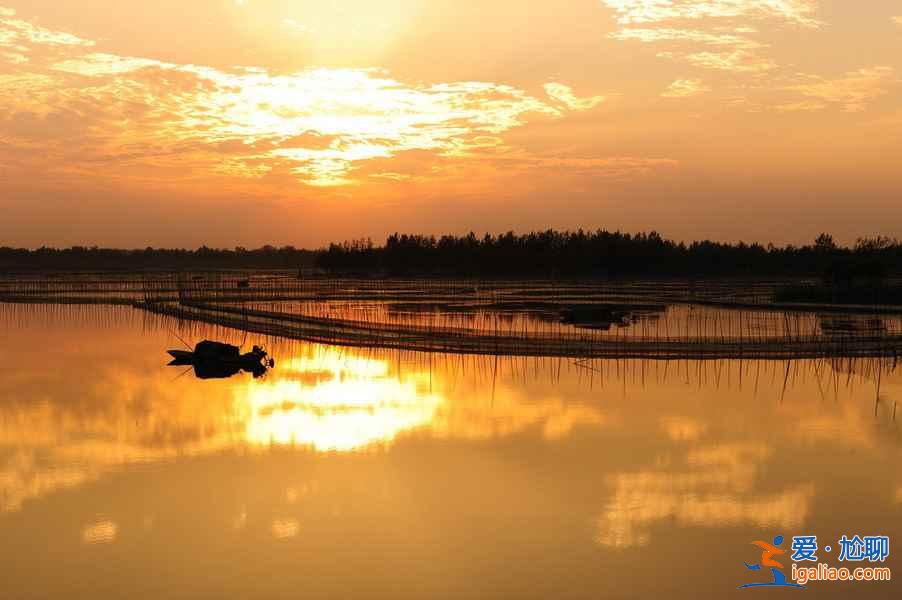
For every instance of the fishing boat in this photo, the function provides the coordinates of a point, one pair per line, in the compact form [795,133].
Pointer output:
[215,360]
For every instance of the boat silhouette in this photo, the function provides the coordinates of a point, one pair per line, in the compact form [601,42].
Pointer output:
[216,360]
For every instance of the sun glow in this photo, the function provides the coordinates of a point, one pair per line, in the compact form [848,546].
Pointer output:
[320,126]
[325,122]
[329,32]
[353,404]
[442,115]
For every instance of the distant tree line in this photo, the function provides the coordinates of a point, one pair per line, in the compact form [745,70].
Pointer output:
[609,254]
[536,254]
[80,258]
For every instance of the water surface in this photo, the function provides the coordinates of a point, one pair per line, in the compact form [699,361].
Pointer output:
[353,473]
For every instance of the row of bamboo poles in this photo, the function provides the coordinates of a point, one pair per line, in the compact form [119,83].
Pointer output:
[271,285]
[831,374]
[660,319]
[586,344]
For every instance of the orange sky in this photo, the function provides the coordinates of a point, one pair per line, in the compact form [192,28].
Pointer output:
[244,122]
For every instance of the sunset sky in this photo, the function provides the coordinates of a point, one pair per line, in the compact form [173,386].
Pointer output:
[245,122]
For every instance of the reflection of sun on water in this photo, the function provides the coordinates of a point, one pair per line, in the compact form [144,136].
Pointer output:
[357,403]
[324,399]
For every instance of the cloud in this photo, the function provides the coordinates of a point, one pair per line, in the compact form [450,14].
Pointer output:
[685,88]
[737,61]
[16,31]
[564,95]
[485,165]
[85,111]
[723,24]
[686,35]
[621,167]
[99,64]
[798,12]
[853,91]
[804,106]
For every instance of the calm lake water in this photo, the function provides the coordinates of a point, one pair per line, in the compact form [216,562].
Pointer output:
[350,473]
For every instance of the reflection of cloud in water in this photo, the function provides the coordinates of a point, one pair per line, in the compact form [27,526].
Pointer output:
[102,532]
[324,400]
[510,414]
[21,478]
[682,429]
[713,490]
[240,521]
[285,528]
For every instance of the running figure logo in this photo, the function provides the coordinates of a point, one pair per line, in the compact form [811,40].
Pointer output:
[768,552]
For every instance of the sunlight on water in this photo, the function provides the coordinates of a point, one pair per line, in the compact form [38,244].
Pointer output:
[351,404]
